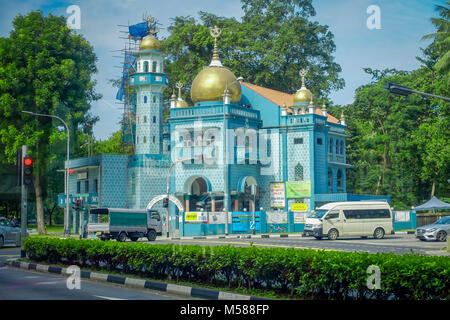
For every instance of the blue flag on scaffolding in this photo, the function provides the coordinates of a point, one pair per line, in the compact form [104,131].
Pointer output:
[129,61]
[139,30]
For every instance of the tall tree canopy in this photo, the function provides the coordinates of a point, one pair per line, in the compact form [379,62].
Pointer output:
[44,68]
[272,42]
[399,145]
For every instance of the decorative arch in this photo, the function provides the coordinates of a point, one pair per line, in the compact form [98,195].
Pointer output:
[174,199]
[249,180]
[190,181]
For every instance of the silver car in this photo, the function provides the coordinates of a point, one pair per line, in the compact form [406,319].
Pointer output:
[436,231]
[9,234]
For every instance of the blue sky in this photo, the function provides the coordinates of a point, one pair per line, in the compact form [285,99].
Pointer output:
[395,45]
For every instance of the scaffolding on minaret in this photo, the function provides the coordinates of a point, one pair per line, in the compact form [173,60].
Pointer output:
[126,94]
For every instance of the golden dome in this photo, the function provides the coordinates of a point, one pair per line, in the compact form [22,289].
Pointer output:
[303,95]
[210,84]
[149,43]
[181,103]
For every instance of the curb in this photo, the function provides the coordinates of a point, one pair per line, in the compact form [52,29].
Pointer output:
[241,236]
[189,292]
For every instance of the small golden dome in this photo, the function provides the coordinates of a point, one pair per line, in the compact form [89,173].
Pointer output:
[210,84]
[181,103]
[303,95]
[149,43]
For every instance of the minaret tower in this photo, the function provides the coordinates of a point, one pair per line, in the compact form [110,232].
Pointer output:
[149,81]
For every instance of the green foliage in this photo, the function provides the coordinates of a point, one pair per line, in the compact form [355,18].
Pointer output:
[268,47]
[300,273]
[113,145]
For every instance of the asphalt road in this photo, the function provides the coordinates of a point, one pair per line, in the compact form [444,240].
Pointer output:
[398,244]
[17,284]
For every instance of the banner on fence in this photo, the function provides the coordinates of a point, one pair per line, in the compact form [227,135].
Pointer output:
[276,217]
[195,217]
[300,217]
[218,218]
[402,216]
[277,195]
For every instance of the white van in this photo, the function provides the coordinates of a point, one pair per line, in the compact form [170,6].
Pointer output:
[349,219]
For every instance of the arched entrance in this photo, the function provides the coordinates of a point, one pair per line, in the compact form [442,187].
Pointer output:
[197,193]
[171,198]
[243,199]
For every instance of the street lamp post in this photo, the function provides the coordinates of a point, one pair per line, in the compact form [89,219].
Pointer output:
[406,91]
[226,101]
[66,217]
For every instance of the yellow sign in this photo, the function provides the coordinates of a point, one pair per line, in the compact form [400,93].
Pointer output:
[299,207]
[190,216]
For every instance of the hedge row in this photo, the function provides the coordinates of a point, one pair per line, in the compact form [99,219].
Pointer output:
[299,273]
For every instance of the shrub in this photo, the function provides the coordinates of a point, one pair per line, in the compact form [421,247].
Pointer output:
[305,273]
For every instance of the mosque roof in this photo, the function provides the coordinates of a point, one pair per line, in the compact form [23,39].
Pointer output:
[282,98]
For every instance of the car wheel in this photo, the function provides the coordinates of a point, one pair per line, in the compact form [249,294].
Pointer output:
[122,237]
[378,233]
[151,235]
[441,236]
[333,234]
[2,242]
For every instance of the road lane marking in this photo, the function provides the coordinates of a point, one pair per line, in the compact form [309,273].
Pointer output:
[49,282]
[109,298]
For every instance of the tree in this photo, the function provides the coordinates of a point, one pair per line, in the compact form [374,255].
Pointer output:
[113,145]
[45,68]
[441,38]
[274,40]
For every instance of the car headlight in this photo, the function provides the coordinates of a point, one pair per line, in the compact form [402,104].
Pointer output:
[430,230]
[316,226]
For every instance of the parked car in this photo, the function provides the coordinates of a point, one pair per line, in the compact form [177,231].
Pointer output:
[436,231]
[9,234]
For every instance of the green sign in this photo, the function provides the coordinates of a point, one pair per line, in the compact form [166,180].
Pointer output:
[298,189]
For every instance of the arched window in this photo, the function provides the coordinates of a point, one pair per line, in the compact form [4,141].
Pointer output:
[154,64]
[145,66]
[145,139]
[154,99]
[145,99]
[342,147]
[337,147]
[339,178]
[330,146]
[298,172]
[154,139]
[145,119]
[154,119]
[330,177]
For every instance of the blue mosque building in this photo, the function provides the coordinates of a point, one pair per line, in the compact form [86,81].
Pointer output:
[239,148]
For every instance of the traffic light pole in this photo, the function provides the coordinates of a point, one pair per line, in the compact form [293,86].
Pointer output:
[23,204]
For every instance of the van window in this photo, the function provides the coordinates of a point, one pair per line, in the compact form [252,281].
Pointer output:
[367,214]
[332,215]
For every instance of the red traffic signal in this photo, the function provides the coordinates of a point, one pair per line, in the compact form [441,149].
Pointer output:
[166,202]
[70,171]
[27,170]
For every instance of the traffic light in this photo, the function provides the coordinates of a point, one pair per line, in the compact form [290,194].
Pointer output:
[27,170]
[165,202]
[78,205]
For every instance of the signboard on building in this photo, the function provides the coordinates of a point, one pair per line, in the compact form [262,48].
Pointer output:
[298,189]
[276,217]
[277,195]
[299,207]
[299,217]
